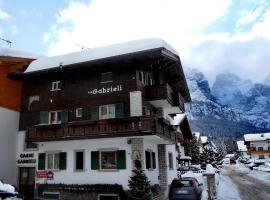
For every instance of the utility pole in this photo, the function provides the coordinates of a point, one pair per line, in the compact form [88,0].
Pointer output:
[7,41]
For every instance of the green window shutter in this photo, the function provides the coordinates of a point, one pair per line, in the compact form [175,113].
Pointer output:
[44,117]
[63,161]
[41,161]
[154,160]
[119,110]
[50,86]
[95,160]
[121,159]
[106,77]
[61,85]
[94,113]
[147,160]
[64,116]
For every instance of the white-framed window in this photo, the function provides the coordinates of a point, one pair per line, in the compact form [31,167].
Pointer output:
[53,160]
[261,157]
[55,117]
[79,160]
[170,160]
[108,197]
[56,85]
[79,112]
[107,111]
[108,159]
[150,159]
[260,148]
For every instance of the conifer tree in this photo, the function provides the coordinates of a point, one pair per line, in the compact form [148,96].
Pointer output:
[139,185]
[193,150]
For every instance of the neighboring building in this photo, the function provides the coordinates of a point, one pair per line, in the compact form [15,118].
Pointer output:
[258,146]
[86,116]
[11,62]
[204,140]
[242,148]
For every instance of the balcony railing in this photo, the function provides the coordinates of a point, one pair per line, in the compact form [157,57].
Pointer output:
[253,151]
[164,92]
[119,127]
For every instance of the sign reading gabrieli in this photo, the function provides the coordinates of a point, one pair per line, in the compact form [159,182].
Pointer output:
[105,90]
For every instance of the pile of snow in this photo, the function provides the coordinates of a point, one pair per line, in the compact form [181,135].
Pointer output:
[7,188]
[210,169]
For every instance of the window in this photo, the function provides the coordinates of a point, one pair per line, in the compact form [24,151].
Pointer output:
[170,157]
[108,160]
[53,161]
[106,77]
[79,112]
[56,85]
[107,111]
[260,148]
[108,197]
[261,157]
[79,160]
[141,76]
[51,195]
[55,117]
[150,159]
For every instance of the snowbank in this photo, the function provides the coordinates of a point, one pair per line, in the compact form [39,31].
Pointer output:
[7,188]
[210,169]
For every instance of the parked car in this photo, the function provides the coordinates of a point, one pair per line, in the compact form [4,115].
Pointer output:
[189,168]
[185,188]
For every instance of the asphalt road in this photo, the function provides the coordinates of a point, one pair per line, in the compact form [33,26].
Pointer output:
[249,187]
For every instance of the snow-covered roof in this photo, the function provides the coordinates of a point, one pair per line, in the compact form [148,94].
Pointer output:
[204,139]
[178,119]
[197,134]
[257,137]
[98,53]
[241,146]
[185,158]
[8,52]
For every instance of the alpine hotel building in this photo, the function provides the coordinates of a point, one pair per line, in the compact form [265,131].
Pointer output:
[85,117]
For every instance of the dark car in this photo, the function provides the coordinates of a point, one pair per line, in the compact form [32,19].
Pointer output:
[185,189]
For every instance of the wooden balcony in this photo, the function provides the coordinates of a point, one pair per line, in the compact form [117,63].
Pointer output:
[252,151]
[119,127]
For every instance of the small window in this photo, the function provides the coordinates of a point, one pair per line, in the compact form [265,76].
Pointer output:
[53,161]
[79,112]
[260,148]
[170,157]
[56,85]
[150,159]
[79,160]
[141,76]
[261,157]
[106,77]
[55,117]
[108,160]
[108,197]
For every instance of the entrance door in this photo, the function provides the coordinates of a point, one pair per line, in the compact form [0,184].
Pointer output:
[27,181]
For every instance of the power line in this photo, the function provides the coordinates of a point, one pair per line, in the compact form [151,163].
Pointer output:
[7,41]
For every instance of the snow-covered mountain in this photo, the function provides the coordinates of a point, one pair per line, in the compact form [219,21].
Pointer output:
[231,108]
[267,81]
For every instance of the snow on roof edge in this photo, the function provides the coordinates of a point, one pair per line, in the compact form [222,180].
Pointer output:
[256,137]
[98,53]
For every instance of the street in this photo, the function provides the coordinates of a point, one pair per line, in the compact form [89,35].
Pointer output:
[249,187]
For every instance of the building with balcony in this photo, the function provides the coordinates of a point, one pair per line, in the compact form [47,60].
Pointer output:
[258,146]
[86,116]
[242,149]
[11,62]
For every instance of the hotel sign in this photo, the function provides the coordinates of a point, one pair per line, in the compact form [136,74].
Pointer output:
[26,158]
[105,90]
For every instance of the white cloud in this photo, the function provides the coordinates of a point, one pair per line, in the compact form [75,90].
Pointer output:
[104,22]
[4,15]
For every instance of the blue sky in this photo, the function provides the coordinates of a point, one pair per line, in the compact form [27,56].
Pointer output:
[215,36]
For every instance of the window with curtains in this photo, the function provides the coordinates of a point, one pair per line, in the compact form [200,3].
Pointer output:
[107,111]
[53,117]
[52,161]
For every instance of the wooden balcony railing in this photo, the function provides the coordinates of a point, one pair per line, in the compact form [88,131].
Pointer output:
[119,127]
[252,151]
[160,92]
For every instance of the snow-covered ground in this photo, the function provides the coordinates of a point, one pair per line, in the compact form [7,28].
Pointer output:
[226,189]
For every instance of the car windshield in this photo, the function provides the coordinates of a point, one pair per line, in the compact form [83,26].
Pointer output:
[182,183]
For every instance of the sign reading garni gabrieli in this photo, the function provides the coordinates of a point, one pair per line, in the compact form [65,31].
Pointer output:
[104,90]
